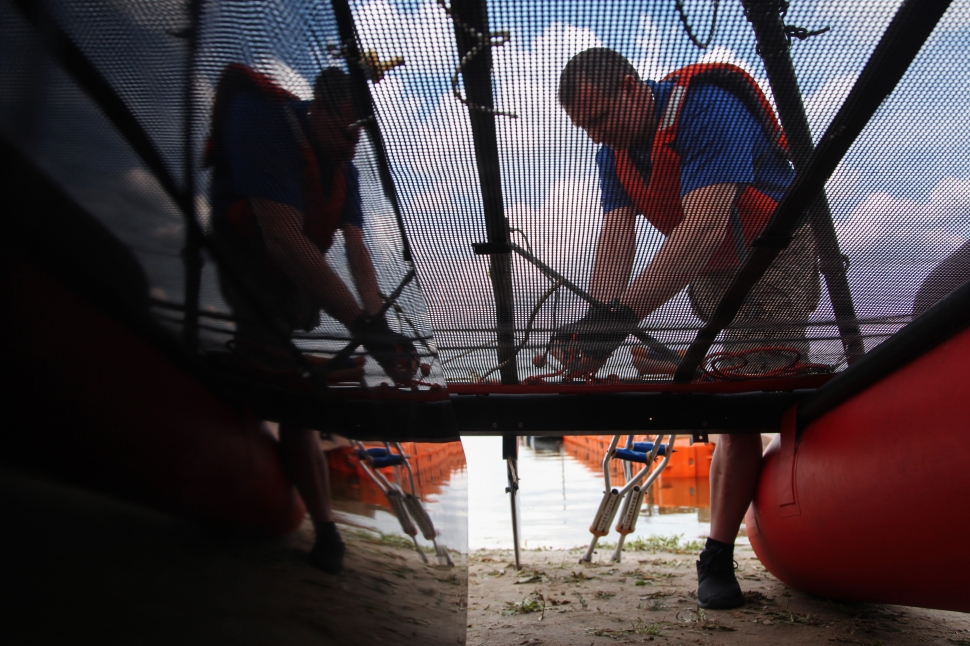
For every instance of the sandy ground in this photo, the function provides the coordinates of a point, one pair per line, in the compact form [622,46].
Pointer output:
[84,568]
[650,597]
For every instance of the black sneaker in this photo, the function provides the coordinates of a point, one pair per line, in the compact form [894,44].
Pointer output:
[717,587]
[328,552]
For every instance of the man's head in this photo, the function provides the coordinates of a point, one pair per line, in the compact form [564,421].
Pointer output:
[602,93]
[332,115]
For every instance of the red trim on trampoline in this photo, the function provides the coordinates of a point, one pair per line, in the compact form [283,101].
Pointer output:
[754,385]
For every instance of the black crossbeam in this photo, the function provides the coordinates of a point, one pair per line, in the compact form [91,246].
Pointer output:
[899,45]
[774,46]
[477,75]
[358,79]
[939,323]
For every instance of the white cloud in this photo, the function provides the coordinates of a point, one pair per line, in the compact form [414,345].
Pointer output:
[864,20]
[650,65]
[825,102]
[890,229]
[563,231]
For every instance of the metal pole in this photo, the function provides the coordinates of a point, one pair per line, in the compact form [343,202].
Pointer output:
[348,38]
[510,453]
[192,252]
[477,74]
[773,46]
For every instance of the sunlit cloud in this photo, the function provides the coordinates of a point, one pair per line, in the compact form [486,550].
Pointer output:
[912,229]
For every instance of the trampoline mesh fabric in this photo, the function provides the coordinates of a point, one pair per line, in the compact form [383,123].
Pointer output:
[899,199]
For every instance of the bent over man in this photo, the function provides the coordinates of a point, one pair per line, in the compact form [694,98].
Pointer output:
[701,156]
[283,183]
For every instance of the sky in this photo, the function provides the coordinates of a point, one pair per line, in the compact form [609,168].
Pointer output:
[905,185]
[900,198]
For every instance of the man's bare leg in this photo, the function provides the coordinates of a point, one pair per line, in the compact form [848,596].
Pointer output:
[734,477]
[307,468]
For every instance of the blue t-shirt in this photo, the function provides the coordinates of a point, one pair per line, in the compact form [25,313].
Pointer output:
[718,140]
[259,156]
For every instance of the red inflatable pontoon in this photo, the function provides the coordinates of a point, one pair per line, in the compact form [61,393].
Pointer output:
[869,504]
[97,405]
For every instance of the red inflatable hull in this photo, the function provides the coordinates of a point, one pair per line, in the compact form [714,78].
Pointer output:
[871,504]
[90,403]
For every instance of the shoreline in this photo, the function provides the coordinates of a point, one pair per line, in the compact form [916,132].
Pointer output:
[650,597]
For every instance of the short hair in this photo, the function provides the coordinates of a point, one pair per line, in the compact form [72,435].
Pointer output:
[601,67]
[332,89]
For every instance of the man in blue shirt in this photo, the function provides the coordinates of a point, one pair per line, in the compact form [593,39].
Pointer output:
[702,157]
[283,183]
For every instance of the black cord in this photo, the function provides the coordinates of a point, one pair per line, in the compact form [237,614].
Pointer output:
[690,32]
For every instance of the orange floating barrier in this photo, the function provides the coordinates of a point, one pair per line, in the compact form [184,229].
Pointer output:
[688,461]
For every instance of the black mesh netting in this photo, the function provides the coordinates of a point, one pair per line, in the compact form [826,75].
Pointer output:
[470,145]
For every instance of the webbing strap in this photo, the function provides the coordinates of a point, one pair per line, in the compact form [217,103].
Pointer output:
[734,223]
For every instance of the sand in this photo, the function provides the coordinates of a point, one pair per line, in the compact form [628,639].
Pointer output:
[650,597]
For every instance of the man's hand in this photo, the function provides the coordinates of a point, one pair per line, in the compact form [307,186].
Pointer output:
[393,351]
[585,345]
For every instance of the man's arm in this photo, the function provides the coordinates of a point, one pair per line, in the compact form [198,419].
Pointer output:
[685,252]
[301,260]
[362,268]
[614,254]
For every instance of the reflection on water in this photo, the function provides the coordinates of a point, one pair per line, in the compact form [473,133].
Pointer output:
[406,584]
[441,485]
[561,485]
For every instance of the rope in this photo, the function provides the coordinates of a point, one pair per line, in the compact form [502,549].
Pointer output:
[690,32]
[715,370]
[780,7]
[482,41]
[528,328]
[401,315]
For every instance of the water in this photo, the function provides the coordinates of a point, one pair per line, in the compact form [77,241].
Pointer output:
[558,497]
[442,485]
[559,493]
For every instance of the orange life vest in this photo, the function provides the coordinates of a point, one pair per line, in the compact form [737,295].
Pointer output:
[660,201]
[322,212]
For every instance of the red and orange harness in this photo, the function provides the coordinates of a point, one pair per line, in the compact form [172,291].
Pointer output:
[660,201]
[322,212]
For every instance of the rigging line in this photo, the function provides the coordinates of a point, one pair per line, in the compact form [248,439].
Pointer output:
[654,344]
[482,41]
[528,328]
[354,344]
[399,311]
[690,32]
[463,354]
